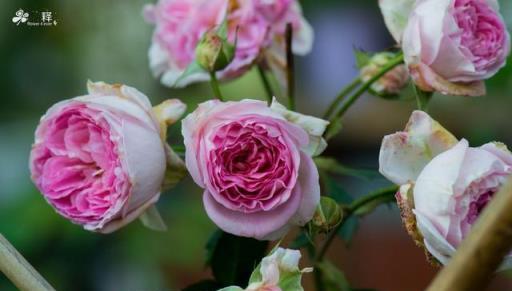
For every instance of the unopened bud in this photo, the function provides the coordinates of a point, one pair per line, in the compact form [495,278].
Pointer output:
[327,216]
[213,53]
[389,84]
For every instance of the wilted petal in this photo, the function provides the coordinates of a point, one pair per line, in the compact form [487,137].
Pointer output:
[315,127]
[396,14]
[403,155]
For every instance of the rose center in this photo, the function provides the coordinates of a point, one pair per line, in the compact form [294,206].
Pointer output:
[477,206]
[482,34]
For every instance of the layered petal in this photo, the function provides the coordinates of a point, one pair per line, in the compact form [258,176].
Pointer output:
[403,155]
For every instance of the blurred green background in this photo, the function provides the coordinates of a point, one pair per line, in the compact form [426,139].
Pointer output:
[107,40]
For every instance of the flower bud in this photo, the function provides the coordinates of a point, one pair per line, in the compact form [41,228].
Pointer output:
[389,84]
[214,53]
[327,216]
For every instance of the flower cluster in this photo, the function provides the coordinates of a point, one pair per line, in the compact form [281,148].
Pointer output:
[444,183]
[257,25]
[450,46]
[101,160]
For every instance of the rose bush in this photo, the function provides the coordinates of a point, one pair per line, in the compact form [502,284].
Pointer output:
[450,46]
[180,25]
[255,165]
[100,159]
[445,184]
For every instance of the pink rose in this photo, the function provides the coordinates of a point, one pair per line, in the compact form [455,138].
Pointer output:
[180,24]
[100,159]
[255,165]
[445,184]
[450,46]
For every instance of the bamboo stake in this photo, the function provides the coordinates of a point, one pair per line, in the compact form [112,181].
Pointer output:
[19,271]
[480,254]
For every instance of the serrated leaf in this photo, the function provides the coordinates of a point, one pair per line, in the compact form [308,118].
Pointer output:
[233,258]
[362,58]
[332,278]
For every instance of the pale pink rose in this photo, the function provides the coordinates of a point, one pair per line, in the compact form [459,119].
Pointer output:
[279,271]
[100,159]
[453,189]
[445,184]
[180,24]
[255,165]
[452,46]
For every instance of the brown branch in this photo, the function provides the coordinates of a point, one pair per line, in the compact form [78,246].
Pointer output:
[480,254]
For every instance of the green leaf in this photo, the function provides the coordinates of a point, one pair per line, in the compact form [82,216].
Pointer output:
[233,258]
[334,190]
[333,279]
[302,240]
[362,58]
[332,166]
[349,228]
[205,285]
[211,245]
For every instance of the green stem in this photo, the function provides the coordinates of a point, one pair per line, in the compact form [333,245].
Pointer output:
[266,84]
[215,86]
[290,67]
[352,210]
[397,60]
[422,98]
[348,88]
[19,271]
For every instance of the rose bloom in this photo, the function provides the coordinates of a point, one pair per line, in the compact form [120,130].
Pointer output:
[99,159]
[445,184]
[279,271]
[450,46]
[180,25]
[255,165]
